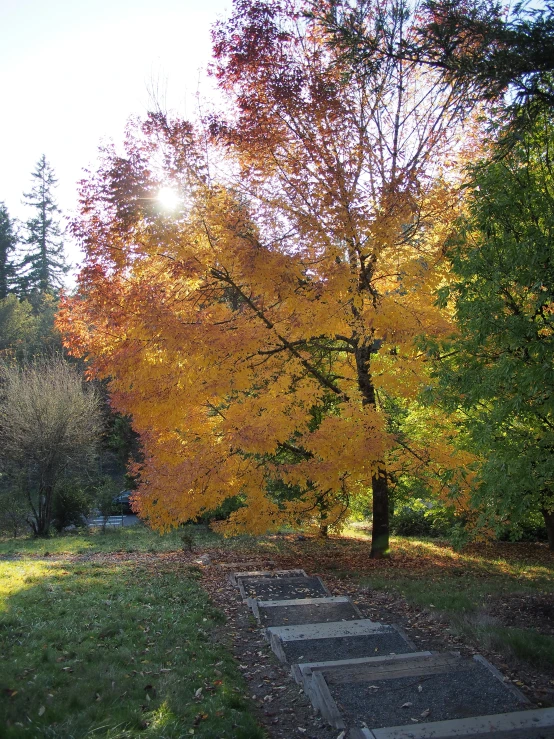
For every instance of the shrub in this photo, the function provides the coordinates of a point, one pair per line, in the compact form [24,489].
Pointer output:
[71,505]
[421,519]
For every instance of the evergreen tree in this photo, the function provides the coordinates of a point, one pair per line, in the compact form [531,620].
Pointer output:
[44,265]
[8,241]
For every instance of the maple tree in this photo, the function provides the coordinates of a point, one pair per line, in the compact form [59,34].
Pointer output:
[258,334]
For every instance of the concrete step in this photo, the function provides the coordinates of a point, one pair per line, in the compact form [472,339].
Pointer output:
[303,610]
[282,588]
[533,724]
[328,641]
[421,686]
[236,577]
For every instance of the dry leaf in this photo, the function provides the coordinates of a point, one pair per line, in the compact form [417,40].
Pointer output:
[406,705]
[41,711]
[425,713]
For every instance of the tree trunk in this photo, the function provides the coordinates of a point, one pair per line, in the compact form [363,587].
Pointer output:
[380,531]
[42,527]
[379,481]
[549,523]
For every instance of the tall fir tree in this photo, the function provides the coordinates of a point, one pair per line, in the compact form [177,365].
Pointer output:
[8,241]
[43,266]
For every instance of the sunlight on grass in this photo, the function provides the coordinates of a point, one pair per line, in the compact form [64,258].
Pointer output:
[113,649]
[18,577]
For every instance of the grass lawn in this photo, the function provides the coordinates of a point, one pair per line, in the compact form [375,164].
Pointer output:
[115,646]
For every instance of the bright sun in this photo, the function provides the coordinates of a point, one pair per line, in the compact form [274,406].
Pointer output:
[168,198]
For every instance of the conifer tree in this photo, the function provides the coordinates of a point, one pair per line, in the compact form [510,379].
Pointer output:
[43,266]
[8,241]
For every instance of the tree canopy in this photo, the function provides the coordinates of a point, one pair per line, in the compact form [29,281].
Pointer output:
[263,331]
[496,54]
[498,371]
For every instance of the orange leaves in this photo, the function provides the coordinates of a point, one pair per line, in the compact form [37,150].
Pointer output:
[250,334]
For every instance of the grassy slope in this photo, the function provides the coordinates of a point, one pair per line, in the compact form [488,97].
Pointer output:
[118,646]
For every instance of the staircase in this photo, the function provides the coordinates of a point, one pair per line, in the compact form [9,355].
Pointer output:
[368,680]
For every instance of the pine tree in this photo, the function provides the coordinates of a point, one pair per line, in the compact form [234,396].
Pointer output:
[44,265]
[8,241]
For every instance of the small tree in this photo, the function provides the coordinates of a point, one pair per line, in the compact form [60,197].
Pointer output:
[50,425]
[104,499]
[43,266]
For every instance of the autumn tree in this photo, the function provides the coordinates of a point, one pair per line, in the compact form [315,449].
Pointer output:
[256,334]
[497,371]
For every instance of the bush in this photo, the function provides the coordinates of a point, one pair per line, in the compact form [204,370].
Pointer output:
[418,519]
[531,528]
[71,505]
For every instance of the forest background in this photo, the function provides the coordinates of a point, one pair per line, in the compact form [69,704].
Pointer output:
[348,306]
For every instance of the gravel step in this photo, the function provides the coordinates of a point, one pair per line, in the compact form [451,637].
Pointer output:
[381,691]
[303,610]
[282,588]
[237,577]
[533,724]
[336,640]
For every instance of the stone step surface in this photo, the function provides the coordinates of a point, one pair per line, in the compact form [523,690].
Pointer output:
[421,686]
[237,577]
[303,611]
[533,724]
[336,640]
[282,588]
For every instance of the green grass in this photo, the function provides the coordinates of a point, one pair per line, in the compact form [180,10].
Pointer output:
[127,539]
[138,538]
[527,645]
[113,649]
[458,586]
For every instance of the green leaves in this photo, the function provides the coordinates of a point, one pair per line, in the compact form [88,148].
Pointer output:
[501,372]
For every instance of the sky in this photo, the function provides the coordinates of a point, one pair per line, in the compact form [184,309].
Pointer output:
[74,71]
